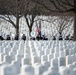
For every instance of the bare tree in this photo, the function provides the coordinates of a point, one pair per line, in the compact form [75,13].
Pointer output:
[19,8]
[13,8]
[61,23]
[30,22]
[31,15]
[60,6]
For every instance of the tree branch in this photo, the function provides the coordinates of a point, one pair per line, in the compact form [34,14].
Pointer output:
[8,20]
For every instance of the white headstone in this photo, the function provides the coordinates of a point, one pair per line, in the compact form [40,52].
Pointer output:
[61,61]
[54,62]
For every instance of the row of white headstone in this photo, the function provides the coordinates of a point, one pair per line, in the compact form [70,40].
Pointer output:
[37,58]
[46,28]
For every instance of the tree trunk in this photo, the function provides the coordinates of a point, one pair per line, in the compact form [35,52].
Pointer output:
[30,30]
[17,26]
[74,35]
